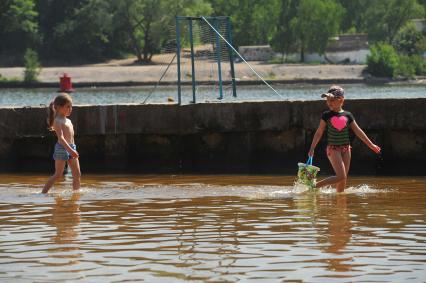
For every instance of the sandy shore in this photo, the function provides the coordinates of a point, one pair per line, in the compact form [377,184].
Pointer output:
[109,73]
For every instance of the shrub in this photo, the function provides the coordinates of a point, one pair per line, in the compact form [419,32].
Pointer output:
[14,80]
[383,60]
[410,66]
[408,40]
[405,67]
[32,66]
[420,65]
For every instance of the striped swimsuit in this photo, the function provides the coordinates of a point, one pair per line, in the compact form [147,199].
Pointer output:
[338,130]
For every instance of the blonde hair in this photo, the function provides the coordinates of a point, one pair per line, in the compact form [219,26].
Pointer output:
[59,101]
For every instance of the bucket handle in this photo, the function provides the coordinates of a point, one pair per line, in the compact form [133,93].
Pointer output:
[310,159]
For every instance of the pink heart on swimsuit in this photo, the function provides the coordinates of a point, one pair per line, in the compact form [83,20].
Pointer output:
[339,122]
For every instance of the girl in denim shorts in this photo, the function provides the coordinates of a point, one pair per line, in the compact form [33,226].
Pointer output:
[65,149]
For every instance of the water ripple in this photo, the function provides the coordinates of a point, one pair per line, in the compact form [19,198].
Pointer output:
[132,231]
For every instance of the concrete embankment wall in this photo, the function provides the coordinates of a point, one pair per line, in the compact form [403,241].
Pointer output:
[246,137]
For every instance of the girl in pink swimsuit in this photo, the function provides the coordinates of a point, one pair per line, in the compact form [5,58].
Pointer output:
[337,123]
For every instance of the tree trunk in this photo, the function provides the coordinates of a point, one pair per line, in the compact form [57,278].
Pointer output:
[137,48]
[131,31]
[147,46]
[302,53]
[135,44]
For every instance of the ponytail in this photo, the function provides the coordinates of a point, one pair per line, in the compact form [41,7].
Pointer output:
[59,101]
[50,116]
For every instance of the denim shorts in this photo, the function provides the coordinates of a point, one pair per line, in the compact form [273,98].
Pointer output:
[61,153]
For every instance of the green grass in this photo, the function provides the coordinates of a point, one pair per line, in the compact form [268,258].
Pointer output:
[4,80]
[271,76]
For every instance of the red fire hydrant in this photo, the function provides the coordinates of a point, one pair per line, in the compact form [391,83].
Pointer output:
[65,83]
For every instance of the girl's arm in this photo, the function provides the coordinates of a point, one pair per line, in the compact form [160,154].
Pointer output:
[317,137]
[363,137]
[61,140]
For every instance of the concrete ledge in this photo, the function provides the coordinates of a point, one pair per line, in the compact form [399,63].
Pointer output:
[245,137]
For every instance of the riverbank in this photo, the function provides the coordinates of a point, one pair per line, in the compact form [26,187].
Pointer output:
[110,75]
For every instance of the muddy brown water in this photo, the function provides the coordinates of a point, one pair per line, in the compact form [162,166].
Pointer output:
[211,229]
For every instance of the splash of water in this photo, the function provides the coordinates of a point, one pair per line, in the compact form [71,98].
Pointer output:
[128,190]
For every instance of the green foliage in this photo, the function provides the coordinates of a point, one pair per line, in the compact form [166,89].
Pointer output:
[81,31]
[18,15]
[410,66]
[271,76]
[76,31]
[146,22]
[316,22]
[353,20]
[420,64]
[284,36]
[383,60]
[18,28]
[8,81]
[383,19]
[408,40]
[405,68]
[254,22]
[32,66]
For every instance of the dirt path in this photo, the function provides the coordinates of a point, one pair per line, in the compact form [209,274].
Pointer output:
[114,72]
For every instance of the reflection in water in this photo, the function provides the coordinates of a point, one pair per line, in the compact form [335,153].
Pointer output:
[66,219]
[205,229]
[336,233]
[339,234]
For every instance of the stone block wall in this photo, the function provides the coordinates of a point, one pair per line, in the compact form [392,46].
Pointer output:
[246,137]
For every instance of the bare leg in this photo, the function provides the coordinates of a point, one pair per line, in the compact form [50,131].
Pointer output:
[74,164]
[346,157]
[59,172]
[336,161]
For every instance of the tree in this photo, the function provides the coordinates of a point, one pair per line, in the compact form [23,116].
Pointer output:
[383,60]
[254,22]
[284,36]
[423,3]
[18,26]
[146,22]
[316,22]
[408,40]
[75,31]
[354,16]
[18,15]
[384,18]
[32,66]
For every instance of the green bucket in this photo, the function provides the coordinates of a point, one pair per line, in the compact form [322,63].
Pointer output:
[307,174]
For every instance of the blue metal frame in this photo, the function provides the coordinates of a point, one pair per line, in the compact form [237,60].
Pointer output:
[231,57]
[191,40]
[218,54]
[218,57]
[178,61]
